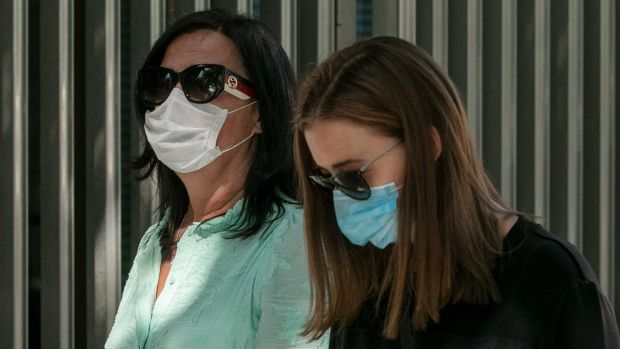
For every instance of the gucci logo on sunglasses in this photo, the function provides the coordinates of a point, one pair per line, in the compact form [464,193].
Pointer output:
[201,83]
[350,183]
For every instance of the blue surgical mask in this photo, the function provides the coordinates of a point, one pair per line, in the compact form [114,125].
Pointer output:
[371,220]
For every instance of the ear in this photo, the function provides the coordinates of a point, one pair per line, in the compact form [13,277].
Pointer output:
[257,128]
[436,143]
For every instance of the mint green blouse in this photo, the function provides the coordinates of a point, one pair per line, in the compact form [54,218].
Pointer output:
[220,293]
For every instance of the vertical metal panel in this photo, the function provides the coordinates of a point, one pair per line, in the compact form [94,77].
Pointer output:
[229,5]
[458,47]
[383,14]
[346,23]
[306,40]
[14,181]
[592,128]
[598,135]
[541,107]
[440,32]
[326,21]
[158,18]
[66,173]
[432,29]
[558,148]
[465,60]
[145,204]
[245,7]
[607,156]
[407,20]
[492,79]
[103,166]
[461,61]
[144,197]
[424,24]
[616,77]
[526,23]
[281,18]
[242,7]
[20,174]
[533,106]
[575,123]
[509,101]
[112,158]
[200,5]
[180,8]
[474,72]
[288,28]
[57,162]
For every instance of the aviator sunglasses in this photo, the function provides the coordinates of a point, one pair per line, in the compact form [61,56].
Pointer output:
[350,183]
[201,83]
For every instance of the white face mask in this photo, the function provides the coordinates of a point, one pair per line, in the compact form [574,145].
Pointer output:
[184,134]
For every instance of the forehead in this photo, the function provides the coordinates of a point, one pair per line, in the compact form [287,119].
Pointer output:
[332,141]
[200,47]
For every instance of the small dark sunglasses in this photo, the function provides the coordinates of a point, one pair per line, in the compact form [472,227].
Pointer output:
[350,183]
[201,83]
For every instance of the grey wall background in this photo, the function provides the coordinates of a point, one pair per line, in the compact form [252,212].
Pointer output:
[538,77]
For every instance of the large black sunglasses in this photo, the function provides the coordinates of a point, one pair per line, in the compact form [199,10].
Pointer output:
[201,83]
[350,183]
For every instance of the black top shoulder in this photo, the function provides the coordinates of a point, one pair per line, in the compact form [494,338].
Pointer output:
[562,256]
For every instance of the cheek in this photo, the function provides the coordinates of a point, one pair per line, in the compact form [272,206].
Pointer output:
[399,178]
[236,127]
[391,170]
[399,167]
[387,174]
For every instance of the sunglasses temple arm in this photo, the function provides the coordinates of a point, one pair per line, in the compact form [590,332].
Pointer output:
[363,168]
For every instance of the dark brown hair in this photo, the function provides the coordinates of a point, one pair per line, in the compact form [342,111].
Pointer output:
[448,235]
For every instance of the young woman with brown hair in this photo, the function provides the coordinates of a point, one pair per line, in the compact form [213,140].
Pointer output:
[409,243]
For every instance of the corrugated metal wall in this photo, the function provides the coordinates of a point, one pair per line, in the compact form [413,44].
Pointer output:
[538,77]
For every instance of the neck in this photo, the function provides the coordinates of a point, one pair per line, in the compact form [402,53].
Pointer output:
[505,222]
[215,188]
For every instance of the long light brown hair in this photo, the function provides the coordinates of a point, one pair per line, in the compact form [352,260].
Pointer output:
[448,235]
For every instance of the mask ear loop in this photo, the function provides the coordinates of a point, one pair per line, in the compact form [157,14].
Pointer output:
[238,144]
[242,107]
[396,189]
[246,138]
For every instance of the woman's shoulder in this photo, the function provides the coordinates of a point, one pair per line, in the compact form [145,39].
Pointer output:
[546,255]
[286,216]
[151,235]
[284,232]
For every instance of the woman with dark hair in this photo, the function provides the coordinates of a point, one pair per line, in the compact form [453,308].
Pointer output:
[225,266]
[409,243]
